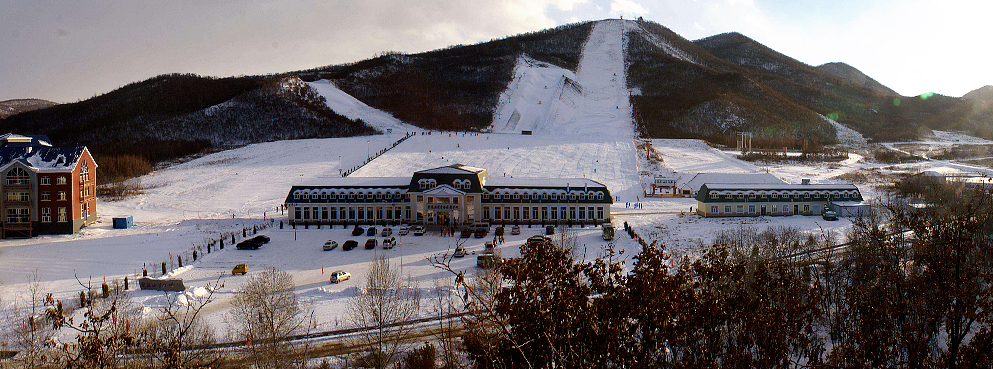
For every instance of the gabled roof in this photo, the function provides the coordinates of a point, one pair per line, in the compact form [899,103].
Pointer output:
[444,190]
[42,158]
[694,182]
[452,169]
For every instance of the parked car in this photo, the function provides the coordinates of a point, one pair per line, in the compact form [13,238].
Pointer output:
[830,215]
[371,243]
[466,233]
[389,243]
[488,247]
[350,244]
[371,232]
[481,232]
[340,275]
[240,269]
[357,231]
[487,260]
[608,231]
[387,231]
[330,245]
[549,230]
[249,244]
[418,231]
[459,252]
[479,225]
[262,239]
[498,231]
[538,239]
[515,230]
[404,230]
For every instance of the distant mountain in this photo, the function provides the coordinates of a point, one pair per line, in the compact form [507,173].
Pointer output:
[709,88]
[11,107]
[178,114]
[856,77]
[982,94]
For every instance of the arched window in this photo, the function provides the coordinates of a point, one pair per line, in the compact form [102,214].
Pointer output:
[18,176]
[84,172]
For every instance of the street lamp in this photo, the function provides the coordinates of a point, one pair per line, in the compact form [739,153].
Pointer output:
[367,155]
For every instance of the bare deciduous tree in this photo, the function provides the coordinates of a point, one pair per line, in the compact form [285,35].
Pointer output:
[386,302]
[104,331]
[267,314]
[30,334]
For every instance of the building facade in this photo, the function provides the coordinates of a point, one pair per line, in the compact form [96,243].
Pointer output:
[46,189]
[736,200]
[451,195]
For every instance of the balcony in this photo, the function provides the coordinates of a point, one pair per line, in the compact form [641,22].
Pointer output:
[18,203]
[17,186]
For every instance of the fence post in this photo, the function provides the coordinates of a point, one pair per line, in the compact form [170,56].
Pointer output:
[163,268]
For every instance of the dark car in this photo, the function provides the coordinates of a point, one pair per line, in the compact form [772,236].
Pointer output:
[357,231]
[262,239]
[466,233]
[371,232]
[249,244]
[549,230]
[371,243]
[350,244]
[481,232]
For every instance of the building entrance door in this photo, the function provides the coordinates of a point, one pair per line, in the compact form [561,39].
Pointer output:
[763,209]
[796,209]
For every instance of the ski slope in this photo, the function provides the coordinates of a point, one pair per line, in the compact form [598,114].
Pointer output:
[549,100]
[350,107]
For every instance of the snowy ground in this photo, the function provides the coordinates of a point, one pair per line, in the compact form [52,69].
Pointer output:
[584,130]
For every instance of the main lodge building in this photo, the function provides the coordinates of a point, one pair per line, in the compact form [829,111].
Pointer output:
[450,195]
[46,189]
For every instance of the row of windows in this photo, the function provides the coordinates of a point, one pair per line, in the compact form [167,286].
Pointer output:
[350,196]
[543,213]
[545,196]
[22,215]
[45,195]
[795,195]
[740,209]
[19,176]
[350,213]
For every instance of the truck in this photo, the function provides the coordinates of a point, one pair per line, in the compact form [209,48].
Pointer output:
[608,231]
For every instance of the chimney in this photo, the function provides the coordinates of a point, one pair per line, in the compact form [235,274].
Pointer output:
[805,181]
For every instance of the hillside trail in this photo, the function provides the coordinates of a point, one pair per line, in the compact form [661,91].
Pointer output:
[592,102]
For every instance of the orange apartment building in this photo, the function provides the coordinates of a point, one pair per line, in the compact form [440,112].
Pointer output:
[45,189]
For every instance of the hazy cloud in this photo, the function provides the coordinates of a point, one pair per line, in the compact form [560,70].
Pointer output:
[68,50]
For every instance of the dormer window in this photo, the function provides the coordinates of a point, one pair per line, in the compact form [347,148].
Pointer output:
[361,196]
[296,196]
[306,195]
[517,196]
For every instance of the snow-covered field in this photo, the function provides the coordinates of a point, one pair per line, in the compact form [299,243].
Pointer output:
[580,131]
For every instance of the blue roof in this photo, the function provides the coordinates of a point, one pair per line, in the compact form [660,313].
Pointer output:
[42,157]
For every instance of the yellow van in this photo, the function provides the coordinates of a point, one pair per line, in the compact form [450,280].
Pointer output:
[240,268]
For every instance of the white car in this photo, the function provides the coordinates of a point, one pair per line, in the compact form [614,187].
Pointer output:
[418,230]
[390,243]
[330,245]
[387,231]
[404,230]
[340,275]
[515,229]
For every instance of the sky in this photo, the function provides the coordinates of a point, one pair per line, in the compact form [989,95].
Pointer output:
[71,50]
